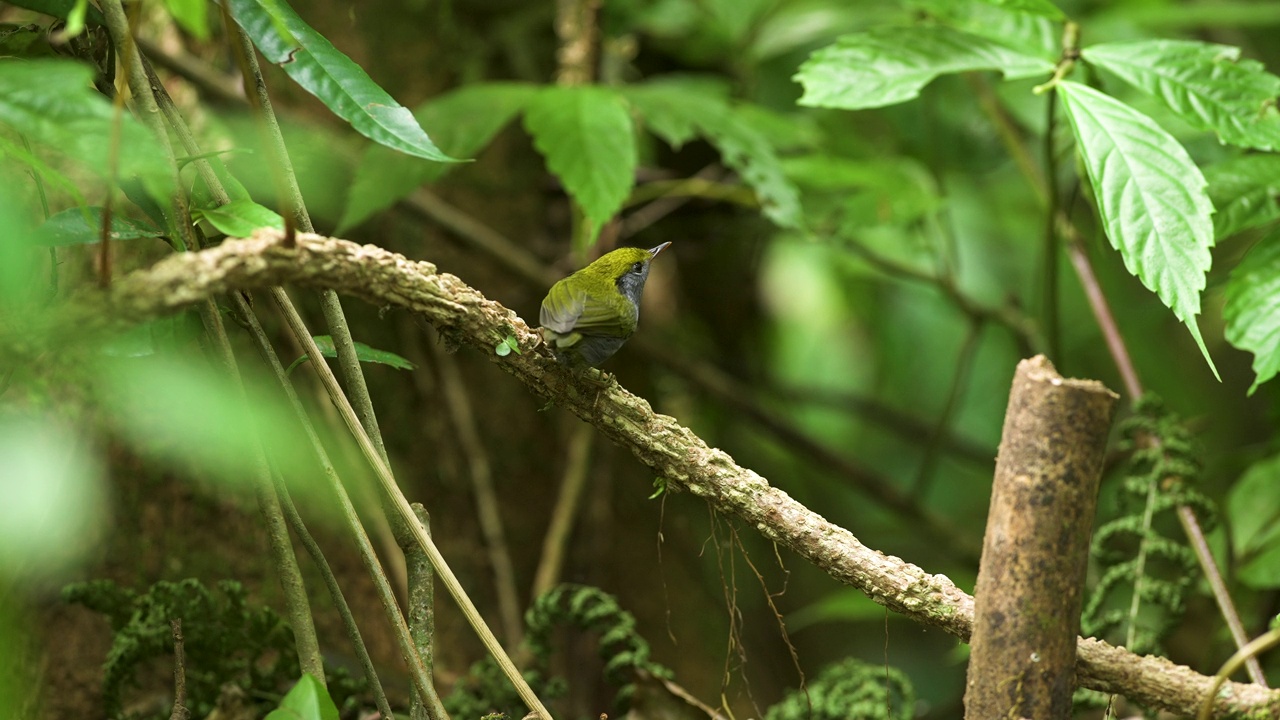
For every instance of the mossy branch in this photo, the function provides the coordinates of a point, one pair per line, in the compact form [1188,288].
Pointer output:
[673,451]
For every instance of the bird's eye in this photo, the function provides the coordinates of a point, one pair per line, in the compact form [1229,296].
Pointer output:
[637,267]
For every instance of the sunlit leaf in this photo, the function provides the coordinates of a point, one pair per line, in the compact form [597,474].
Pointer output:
[240,218]
[1151,197]
[79,226]
[363,352]
[676,109]
[1252,309]
[54,500]
[464,122]
[887,66]
[308,700]
[343,86]
[192,15]
[586,135]
[1206,85]
[1246,192]
[53,104]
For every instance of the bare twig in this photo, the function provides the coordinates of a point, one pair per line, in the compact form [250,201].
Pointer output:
[565,512]
[458,404]
[180,709]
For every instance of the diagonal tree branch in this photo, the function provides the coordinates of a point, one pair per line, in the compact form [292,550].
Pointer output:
[466,317]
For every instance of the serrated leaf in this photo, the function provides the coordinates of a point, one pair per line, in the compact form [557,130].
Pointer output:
[1246,192]
[343,86]
[1206,85]
[308,700]
[586,136]
[1151,198]
[464,122]
[1026,32]
[672,107]
[240,218]
[887,66]
[363,352]
[79,226]
[53,104]
[1252,309]
[192,15]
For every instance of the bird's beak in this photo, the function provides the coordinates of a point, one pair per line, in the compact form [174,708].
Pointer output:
[653,252]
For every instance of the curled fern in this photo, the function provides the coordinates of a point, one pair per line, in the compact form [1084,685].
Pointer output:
[850,689]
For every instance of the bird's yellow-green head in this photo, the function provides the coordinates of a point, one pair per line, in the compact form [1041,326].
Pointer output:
[587,316]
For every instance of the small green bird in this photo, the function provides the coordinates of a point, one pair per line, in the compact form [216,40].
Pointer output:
[587,316]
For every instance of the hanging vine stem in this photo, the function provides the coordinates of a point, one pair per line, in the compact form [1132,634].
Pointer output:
[286,561]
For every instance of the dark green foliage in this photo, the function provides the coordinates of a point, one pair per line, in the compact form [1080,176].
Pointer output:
[850,690]
[226,640]
[1142,552]
[585,608]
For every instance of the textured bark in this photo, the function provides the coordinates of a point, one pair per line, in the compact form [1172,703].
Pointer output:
[1036,550]
[387,279]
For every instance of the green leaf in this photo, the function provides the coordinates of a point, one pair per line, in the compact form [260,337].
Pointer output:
[464,122]
[308,700]
[1252,309]
[1246,192]
[239,218]
[53,104]
[1206,85]
[1034,7]
[79,226]
[1253,509]
[192,15]
[508,345]
[1151,198]
[54,496]
[343,86]
[363,352]
[675,108]
[193,416]
[62,9]
[586,135]
[887,66]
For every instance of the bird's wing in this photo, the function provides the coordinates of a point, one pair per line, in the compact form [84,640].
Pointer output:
[571,309]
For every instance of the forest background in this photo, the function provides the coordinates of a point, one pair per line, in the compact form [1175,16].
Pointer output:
[876,210]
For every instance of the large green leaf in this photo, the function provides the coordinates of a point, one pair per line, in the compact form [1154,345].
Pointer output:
[192,15]
[1246,192]
[52,103]
[464,122]
[308,700]
[240,218]
[678,109]
[587,137]
[343,86]
[1151,198]
[1034,7]
[1252,310]
[79,226]
[890,65]
[1207,85]
[363,352]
